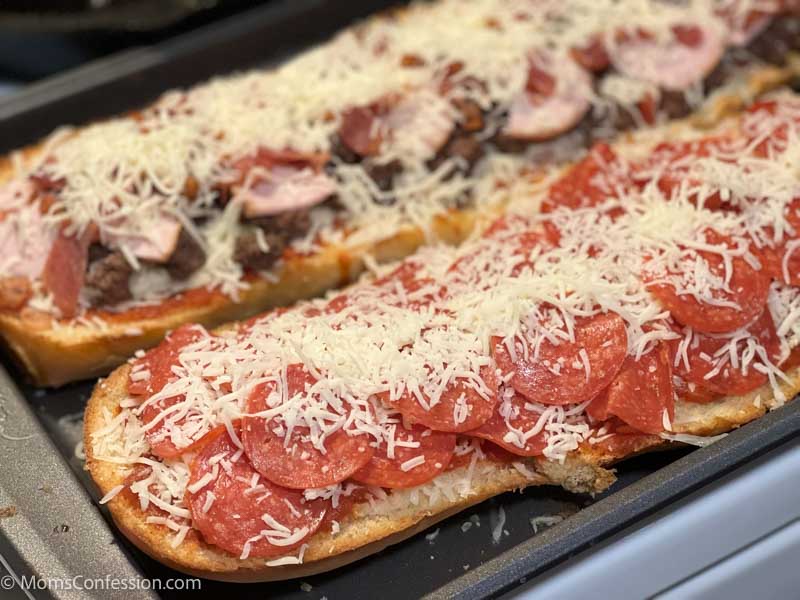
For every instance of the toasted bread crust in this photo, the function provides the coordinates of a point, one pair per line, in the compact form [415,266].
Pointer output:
[53,354]
[364,531]
[57,353]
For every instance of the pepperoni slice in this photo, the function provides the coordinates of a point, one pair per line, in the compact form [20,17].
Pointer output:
[773,131]
[161,443]
[691,392]
[786,253]
[558,376]
[297,463]
[514,426]
[247,514]
[640,393]
[748,290]
[707,358]
[158,361]
[773,259]
[418,290]
[598,177]
[401,470]
[618,439]
[515,255]
[670,163]
[65,271]
[460,407]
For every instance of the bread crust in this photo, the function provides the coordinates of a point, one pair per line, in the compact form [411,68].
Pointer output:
[53,353]
[362,533]
[365,532]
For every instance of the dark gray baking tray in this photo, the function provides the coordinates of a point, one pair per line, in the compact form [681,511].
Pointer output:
[56,529]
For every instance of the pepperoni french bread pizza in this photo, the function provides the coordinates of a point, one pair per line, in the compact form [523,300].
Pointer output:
[252,191]
[652,299]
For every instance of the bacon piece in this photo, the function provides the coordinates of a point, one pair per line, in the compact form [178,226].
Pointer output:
[361,130]
[419,123]
[674,64]
[556,98]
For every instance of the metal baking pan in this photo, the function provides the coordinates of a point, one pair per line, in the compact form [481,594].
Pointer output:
[50,523]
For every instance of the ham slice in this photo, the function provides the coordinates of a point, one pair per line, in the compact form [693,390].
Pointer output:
[673,62]
[421,123]
[159,243]
[745,19]
[285,189]
[14,195]
[556,98]
[25,242]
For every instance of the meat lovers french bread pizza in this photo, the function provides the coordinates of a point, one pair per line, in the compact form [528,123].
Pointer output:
[650,298]
[255,190]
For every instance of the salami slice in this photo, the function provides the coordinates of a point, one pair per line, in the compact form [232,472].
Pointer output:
[640,393]
[592,55]
[65,271]
[407,466]
[716,362]
[282,448]
[460,407]
[236,509]
[747,289]
[515,425]
[568,372]
[673,63]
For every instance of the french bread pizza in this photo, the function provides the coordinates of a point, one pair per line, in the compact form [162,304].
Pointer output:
[258,189]
[646,296]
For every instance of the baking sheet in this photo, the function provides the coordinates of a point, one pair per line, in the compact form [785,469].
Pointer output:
[459,557]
